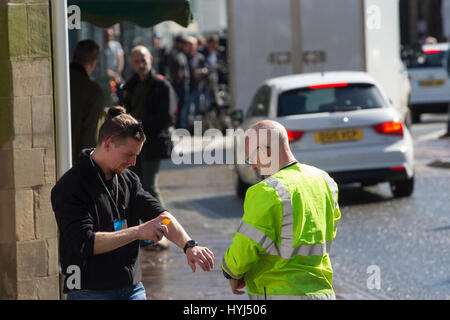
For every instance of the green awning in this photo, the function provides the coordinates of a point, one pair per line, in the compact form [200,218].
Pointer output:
[145,13]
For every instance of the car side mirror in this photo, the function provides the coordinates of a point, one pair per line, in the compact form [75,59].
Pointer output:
[237,116]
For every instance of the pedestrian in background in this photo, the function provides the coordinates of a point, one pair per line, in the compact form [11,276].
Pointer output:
[210,50]
[159,55]
[212,63]
[86,98]
[114,57]
[281,248]
[201,43]
[179,75]
[98,206]
[198,81]
[151,99]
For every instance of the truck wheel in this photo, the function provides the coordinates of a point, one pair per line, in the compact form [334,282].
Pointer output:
[415,117]
[403,188]
[239,185]
[408,119]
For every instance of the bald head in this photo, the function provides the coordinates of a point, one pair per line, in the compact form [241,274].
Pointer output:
[142,50]
[192,45]
[273,128]
[141,61]
[267,147]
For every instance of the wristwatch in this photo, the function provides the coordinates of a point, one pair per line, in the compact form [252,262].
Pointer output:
[189,244]
[226,275]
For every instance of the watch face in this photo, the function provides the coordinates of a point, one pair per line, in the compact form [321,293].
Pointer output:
[190,243]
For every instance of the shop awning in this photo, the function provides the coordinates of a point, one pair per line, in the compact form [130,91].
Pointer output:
[145,13]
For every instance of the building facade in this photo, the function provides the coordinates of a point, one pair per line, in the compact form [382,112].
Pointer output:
[28,231]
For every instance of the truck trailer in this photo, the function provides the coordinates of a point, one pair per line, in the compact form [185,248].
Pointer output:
[269,38]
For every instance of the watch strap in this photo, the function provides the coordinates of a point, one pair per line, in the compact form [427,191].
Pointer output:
[189,244]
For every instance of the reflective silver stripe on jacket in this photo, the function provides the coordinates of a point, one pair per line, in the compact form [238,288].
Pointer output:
[330,296]
[333,188]
[287,227]
[224,264]
[260,237]
[318,249]
[286,250]
[334,191]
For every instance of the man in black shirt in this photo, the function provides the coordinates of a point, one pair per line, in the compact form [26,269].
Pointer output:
[152,100]
[86,98]
[179,76]
[159,53]
[98,206]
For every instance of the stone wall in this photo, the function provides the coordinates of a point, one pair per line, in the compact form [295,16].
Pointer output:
[28,231]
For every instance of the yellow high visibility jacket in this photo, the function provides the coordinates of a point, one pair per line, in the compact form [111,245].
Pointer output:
[282,245]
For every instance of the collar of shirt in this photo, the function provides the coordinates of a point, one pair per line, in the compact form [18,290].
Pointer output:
[79,68]
[290,164]
[98,169]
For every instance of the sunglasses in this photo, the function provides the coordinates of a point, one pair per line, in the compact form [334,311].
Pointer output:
[130,130]
[248,160]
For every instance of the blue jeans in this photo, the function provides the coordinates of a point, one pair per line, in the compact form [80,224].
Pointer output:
[129,293]
[197,101]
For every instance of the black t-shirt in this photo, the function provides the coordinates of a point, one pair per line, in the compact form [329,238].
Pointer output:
[83,207]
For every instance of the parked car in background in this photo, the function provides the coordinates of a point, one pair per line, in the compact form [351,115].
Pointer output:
[340,122]
[429,72]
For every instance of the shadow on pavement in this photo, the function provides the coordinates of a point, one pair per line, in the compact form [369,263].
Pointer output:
[350,195]
[217,207]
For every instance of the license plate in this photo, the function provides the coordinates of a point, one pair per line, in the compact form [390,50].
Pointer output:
[434,82]
[338,135]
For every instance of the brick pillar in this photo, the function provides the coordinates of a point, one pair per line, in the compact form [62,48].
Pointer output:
[28,231]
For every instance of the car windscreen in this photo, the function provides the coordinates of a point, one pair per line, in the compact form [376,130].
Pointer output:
[428,60]
[329,99]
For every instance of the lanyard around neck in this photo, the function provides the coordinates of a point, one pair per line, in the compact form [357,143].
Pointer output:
[106,188]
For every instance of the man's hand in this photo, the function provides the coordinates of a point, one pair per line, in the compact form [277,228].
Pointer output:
[151,230]
[200,255]
[236,284]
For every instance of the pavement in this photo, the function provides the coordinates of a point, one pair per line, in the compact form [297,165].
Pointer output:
[435,147]
[166,274]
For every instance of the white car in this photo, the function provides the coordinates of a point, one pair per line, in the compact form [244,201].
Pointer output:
[430,80]
[340,122]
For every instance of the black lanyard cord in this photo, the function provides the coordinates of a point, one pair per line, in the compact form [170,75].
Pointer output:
[116,202]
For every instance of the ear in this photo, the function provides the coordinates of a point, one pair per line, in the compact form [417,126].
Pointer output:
[107,144]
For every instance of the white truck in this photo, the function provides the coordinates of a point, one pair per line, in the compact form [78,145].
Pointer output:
[268,38]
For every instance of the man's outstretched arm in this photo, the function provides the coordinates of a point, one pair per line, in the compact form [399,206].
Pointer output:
[198,254]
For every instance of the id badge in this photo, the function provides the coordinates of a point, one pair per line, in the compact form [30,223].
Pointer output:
[120,224]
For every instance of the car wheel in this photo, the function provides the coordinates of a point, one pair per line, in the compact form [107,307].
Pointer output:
[403,188]
[239,185]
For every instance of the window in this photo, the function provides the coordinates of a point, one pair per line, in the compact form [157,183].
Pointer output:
[427,60]
[260,103]
[347,98]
